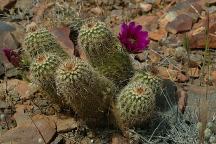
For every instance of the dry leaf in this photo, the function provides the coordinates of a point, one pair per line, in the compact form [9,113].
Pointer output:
[182,100]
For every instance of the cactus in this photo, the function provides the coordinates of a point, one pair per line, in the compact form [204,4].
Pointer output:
[42,41]
[104,52]
[87,92]
[149,79]
[135,104]
[43,72]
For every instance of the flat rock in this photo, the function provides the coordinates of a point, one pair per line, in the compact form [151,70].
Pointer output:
[158,35]
[182,23]
[64,123]
[40,130]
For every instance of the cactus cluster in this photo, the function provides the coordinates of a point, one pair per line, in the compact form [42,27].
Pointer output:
[104,52]
[135,103]
[90,87]
[209,132]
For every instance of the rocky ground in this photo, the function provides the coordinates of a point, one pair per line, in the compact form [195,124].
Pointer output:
[179,51]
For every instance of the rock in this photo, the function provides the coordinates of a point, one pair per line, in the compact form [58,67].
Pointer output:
[150,1]
[212,9]
[40,130]
[141,57]
[97,11]
[210,2]
[174,75]
[58,140]
[154,57]
[146,7]
[182,23]
[6,4]
[4,27]
[64,123]
[119,139]
[24,4]
[180,53]
[20,87]
[158,35]
[197,35]
[149,22]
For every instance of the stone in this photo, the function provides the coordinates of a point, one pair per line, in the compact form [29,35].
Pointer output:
[197,36]
[64,123]
[158,34]
[210,2]
[149,22]
[182,23]
[20,87]
[119,139]
[97,10]
[6,4]
[180,53]
[40,130]
[141,57]
[146,7]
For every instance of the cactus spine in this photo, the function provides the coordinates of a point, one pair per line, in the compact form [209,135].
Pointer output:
[104,52]
[87,92]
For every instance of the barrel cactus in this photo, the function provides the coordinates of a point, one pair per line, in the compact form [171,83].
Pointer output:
[43,72]
[104,52]
[87,92]
[134,105]
[41,41]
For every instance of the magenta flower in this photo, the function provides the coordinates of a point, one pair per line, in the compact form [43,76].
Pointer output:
[133,38]
[12,56]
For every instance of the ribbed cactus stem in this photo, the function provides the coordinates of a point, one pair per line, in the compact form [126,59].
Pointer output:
[41,41]
[104,52]
[87,92]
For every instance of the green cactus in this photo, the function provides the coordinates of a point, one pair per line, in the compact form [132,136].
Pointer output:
[149,79]
[43,72]
[135,104]
[87,92]
[104,52]
[42,41]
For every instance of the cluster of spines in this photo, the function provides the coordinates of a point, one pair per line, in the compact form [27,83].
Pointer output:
[41,41]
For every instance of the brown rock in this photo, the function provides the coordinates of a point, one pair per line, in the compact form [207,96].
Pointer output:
[197,36]
[20,87]
[119,139]
[146,7]
[158,34]
[97,11]
[6,4]
[62,36]
[182,23]
[149,22]
[64,123]
[40,130]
